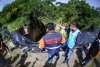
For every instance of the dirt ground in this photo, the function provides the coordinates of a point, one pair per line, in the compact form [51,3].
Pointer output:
[18,59]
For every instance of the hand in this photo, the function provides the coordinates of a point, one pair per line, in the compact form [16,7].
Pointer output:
[0,48]
[99,52]
[58,25]
[73,50]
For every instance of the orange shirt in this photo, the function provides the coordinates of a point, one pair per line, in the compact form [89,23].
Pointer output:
[42,44]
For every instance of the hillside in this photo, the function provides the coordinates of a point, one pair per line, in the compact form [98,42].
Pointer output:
[15,14]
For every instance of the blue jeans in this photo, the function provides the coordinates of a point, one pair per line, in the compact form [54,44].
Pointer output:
[50,57]
[68,54]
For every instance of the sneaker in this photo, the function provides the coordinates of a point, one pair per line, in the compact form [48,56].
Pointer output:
[83,64]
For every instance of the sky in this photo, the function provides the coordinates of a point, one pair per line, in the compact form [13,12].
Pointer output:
[4,2]
[95,3]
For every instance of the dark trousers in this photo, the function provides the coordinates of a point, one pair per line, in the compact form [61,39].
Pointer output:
[50,57]
[87,59]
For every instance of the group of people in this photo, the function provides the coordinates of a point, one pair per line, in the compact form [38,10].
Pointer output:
[53,41]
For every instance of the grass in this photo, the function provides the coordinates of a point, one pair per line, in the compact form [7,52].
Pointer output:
[94,63]
[15,24]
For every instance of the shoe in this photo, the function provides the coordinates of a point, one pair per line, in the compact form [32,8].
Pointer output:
[83,64]
[66,61]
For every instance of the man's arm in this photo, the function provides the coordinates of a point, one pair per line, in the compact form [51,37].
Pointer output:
[60,26]
[63,40]
[41,43]
[63,27]
[63,46]
[78,41]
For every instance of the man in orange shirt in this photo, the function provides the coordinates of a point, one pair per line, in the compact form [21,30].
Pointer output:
[52,41]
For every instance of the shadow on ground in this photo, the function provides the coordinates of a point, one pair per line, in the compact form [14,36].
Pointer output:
[96,63]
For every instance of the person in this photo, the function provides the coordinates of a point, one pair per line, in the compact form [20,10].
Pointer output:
[74,37]
[93,52]
[5,32]
[25,29]
[3,46]
[52,41]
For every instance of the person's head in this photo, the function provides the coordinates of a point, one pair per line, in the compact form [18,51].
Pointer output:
[4,27]
[50,27]
[73,25]
[99,34]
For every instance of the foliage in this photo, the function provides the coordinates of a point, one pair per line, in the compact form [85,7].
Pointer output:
[74,11]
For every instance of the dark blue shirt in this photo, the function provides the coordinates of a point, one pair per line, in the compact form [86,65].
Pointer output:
[95,47]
